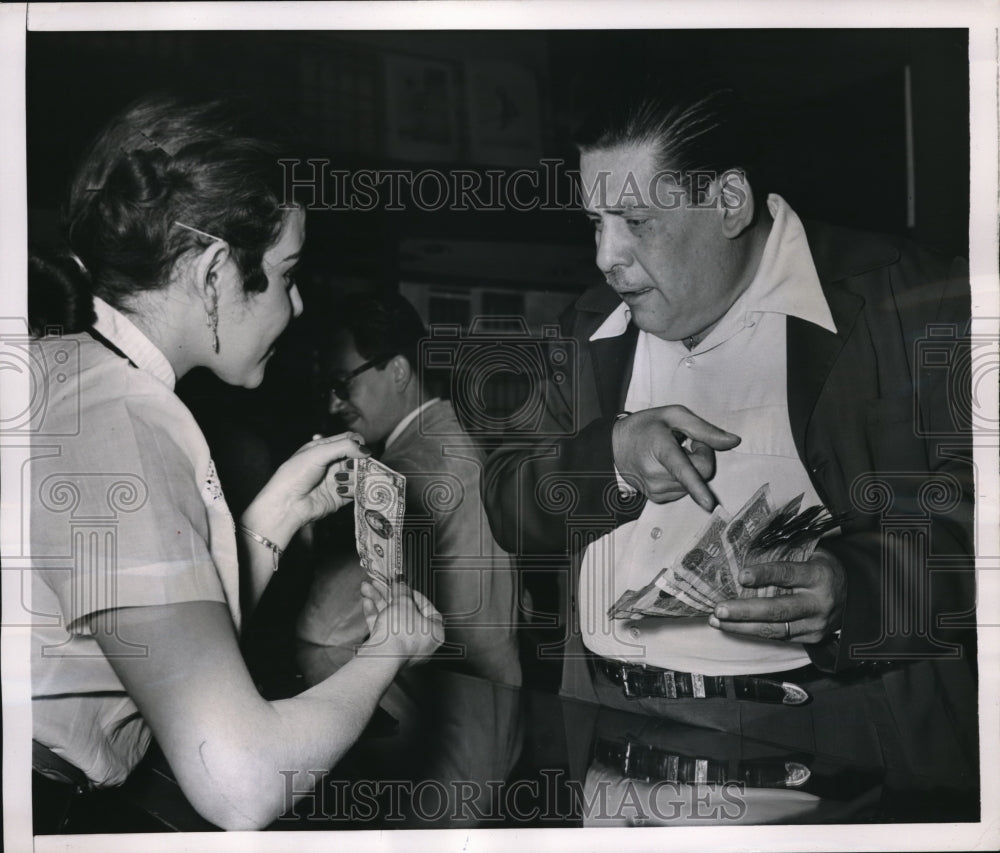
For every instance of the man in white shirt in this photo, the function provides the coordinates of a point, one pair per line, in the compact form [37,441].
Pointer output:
[733,347]
[380,391]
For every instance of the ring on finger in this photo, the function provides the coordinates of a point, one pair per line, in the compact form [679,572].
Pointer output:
[788,631]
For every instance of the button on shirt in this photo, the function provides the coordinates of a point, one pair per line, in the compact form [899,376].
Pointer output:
[736,379]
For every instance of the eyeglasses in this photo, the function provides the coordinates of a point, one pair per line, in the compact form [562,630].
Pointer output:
[340,385]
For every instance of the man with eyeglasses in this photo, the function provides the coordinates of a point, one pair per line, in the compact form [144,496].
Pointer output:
[377,388]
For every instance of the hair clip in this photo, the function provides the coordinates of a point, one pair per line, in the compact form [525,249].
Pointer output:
[199,231]
[73,256]
[147,143]
[154,144]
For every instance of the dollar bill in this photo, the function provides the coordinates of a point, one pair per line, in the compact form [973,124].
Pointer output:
[751,519]
[685,589]
[650,601]
[707,566]
[708,572]
[379,507]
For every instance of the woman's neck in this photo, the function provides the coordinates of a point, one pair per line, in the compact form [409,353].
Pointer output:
[171,323]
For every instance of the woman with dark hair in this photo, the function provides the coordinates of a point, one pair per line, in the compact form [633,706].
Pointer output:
[180,253]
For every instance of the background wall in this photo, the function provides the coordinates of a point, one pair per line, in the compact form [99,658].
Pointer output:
[867,128]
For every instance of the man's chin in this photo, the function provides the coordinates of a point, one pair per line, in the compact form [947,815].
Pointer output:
[355,424]
[658,329]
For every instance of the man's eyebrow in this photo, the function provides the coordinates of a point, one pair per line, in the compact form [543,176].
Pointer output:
[625,210]
[625,204]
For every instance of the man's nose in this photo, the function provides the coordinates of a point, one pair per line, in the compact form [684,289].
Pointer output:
[336,404]
[612,246]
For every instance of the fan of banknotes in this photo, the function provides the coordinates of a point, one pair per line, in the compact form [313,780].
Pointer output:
[709,571]
[379,504]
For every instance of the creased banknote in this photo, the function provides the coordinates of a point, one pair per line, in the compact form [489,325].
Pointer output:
[708,572]
[379,506]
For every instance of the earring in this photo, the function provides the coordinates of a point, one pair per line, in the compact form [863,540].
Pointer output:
[213,324]
[213,313]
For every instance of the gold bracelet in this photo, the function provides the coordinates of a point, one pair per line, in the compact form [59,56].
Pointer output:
[276,552]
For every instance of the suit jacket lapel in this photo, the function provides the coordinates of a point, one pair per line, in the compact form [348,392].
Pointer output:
[811,353]
[612,359]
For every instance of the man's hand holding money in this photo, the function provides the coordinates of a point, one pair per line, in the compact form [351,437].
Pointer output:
[809,612]
[649,452]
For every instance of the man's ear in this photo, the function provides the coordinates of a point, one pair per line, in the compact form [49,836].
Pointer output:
[737,202]
[402,371]
[208,268]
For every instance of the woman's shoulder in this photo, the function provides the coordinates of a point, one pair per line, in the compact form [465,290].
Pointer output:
[92,396]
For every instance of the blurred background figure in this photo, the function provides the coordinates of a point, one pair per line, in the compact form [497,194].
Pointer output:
[380,389]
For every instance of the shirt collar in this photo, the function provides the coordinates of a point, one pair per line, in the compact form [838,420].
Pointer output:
[125,335]
[405,422]
[786,281]
[615,324]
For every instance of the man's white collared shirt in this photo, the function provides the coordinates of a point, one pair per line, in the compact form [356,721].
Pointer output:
[736,379]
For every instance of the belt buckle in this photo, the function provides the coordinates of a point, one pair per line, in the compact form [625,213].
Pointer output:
[770,691]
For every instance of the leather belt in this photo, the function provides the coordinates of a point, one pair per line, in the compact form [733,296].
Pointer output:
[636,760]
[639,681]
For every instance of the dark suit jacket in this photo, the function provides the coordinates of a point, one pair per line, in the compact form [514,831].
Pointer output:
[879,412]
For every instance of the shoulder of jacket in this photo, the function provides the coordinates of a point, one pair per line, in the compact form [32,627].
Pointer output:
[841,253]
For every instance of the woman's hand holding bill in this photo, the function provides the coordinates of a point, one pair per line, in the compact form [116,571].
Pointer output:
[316,480]
[401,622]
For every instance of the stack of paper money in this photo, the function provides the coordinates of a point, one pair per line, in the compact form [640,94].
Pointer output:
[709,571]
[379,504]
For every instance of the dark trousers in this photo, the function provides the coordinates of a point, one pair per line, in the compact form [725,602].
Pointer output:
[912,730]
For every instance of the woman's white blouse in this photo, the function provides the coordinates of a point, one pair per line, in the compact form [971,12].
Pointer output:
[126,511]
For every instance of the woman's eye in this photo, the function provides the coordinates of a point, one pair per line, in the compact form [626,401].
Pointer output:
[635,223]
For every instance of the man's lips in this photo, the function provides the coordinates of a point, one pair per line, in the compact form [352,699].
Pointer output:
[634,294]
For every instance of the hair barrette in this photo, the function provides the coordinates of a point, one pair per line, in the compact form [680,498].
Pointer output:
[199,231]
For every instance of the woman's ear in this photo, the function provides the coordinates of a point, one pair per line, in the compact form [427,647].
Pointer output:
[208,270]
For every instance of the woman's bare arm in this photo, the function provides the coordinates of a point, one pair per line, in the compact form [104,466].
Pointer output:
[237,757]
